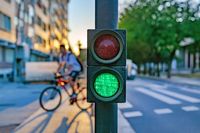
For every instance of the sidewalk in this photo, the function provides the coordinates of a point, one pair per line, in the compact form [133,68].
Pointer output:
[175,79]
[17,102]
[67,118]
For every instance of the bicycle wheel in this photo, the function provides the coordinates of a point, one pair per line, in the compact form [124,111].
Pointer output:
[50,99]
[82,99]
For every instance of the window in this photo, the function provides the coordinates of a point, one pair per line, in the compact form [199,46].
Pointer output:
[39,21]
[39,39]
[45,10]
[9,1]
[5,22]
[1,54]
[1,21]
[44,26]
[44,42]
[39,3]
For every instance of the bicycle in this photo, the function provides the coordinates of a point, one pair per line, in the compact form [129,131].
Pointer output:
[51,97]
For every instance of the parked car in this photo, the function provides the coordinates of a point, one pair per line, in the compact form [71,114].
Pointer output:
[131,69]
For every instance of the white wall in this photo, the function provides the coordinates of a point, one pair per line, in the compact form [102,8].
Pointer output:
[40,71]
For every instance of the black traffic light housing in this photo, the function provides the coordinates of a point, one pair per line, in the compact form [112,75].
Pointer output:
[115,66]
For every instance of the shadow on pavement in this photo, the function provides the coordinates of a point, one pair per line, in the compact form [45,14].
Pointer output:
[41,125]
[64,126]
[58,122]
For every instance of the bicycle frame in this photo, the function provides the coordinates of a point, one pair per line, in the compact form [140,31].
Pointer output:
[61,82]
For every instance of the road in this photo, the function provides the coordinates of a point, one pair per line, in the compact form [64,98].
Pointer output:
[156,106]
[153,106]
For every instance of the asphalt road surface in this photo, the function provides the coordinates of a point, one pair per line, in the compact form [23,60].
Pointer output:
[156,106]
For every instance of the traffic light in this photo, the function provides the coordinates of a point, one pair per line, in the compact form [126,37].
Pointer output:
[106,71]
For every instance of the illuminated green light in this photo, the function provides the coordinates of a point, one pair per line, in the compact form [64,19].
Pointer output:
[106,84]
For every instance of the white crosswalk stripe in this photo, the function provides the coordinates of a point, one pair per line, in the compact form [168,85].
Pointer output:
[191,90]
[133,114]
[179,96]
[190,108]
[163,111]
[125,105]
[155,86]
[157,96]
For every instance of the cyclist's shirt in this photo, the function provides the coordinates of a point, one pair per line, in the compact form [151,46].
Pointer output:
[70,59]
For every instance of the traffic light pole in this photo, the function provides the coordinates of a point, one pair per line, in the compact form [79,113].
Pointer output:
[106,17]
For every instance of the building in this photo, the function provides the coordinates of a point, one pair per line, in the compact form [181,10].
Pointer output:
[31,30]
[59,28]
[7,38]
[7,31]
[188,58]
[42,26]
[32,24]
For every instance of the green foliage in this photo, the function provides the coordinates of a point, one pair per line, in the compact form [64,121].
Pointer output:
[155,28]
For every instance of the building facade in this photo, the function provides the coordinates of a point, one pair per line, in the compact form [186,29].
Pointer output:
[59,28]
[7,31]
[188,59]
[31,30]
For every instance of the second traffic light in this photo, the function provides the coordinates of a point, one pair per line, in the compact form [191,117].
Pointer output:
[106,71]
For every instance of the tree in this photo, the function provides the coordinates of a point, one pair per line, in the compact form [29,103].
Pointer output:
[156,28]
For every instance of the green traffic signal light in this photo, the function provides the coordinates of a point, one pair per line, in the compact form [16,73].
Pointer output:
[106,85]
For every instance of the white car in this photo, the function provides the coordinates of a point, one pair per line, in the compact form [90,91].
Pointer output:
[131,69]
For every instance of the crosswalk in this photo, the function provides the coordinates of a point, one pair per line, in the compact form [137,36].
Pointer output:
[186,102]
[163,111]
[190,108]
[195,91]
[157,96]
[133,114]
[179,96]
[125,106]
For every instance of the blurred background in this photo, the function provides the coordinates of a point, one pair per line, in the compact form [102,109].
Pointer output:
[31,32]
[164,34]
[163,56]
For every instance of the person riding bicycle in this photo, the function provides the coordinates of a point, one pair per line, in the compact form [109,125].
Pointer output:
[68,60]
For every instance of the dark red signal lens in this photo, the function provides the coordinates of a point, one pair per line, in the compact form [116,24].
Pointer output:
[106,47]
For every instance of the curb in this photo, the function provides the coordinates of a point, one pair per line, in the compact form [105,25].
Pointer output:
[123,124]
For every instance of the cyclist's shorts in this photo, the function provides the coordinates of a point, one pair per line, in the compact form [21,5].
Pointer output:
[74,75]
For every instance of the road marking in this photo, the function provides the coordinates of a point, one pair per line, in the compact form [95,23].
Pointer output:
[180,96]
[133,114]
[155,86]
[125,105]
[190,108]
[160,97]
[191,90]
[163,111]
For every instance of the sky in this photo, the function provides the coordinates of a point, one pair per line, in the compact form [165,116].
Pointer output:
[81,18]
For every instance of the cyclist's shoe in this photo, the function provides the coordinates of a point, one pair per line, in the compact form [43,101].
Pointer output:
[71,102]
[78,85]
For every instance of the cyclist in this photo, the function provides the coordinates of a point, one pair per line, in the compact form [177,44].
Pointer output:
[68,60]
